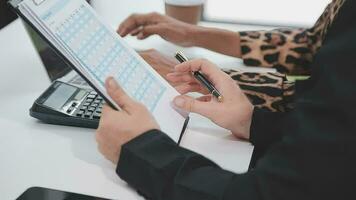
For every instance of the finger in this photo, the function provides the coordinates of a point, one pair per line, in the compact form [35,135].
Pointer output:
[119,95]
[190,104]
[180,77]
[106,109]
[129,24]
[148,30]
[212,72]
[136,31]
[205,98]
[135,21]
[186,88]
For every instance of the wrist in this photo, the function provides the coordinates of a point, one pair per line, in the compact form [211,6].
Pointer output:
[218,40]
[200,36]
[242,129]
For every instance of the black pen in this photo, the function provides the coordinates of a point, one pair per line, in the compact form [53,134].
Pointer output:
[201,78]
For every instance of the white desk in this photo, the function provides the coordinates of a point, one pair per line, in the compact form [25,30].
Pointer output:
[66,158]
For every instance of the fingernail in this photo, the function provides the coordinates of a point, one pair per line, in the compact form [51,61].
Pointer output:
[112,84]
[140,35]
[170,75]
[179,101]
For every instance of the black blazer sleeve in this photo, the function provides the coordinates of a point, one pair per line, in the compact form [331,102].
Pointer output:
[266,127]
[297,167]
[161,170]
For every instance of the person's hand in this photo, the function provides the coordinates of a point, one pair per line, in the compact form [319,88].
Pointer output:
[170,29]
[234,113]
[161,63]
[116,128]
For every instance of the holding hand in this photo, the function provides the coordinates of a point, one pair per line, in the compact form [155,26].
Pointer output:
[234,113]
[116,128]
[170,29]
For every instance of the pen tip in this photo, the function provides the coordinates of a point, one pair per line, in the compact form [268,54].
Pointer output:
[220,99]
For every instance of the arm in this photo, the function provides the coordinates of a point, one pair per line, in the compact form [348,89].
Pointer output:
[267,91]
[288,50]
[318,139]
[313,161]
[160,170]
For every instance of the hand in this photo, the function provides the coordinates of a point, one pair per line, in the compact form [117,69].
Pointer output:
[161,63]
[116,128]
[170,29]
[234,113]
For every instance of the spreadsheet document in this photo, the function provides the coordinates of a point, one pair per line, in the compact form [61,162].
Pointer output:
[98,53]
[103,56]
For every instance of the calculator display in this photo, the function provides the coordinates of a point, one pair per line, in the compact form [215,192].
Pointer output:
[60,96]
[80,95]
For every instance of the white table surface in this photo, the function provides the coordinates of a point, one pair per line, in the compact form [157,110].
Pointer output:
[66,158]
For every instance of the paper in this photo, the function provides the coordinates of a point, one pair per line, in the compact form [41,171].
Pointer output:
[98,52]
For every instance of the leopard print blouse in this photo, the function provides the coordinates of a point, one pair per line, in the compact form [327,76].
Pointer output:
[290,51]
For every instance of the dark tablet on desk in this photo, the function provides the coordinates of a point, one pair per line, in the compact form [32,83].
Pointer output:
[38,193]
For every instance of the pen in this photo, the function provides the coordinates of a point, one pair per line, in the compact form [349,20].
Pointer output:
[201,78]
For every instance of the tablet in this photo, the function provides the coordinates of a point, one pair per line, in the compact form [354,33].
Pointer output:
[39,193]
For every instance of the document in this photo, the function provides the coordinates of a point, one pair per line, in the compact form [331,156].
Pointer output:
[98,52]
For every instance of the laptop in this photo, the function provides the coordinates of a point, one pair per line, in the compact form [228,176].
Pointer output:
[6,16]
[56,68]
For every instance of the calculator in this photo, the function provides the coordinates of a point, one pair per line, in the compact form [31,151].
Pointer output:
[65,104]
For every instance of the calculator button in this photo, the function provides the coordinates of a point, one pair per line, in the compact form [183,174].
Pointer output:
[74,104]
[93,92]
[86,104]
[80,113]
[91,109]
[69,110]
[96,116]
[88,114]
[89,100]
[95,105]
[83,108]
[97,101]
[99,98]
[91,96]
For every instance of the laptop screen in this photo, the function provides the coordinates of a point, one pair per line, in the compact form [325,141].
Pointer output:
[53,63]
[55,66]
[6,16]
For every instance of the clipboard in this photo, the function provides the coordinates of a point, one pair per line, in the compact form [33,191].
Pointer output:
[15,6]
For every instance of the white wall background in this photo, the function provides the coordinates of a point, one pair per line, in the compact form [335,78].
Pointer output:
[276,12]
[108,9]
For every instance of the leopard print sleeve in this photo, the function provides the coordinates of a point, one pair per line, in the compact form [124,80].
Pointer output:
[268,91]
[290,51]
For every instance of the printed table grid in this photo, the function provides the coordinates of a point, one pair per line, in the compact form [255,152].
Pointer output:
[104,56]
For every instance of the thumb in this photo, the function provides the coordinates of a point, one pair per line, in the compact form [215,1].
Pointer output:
[118,94]
[190,104]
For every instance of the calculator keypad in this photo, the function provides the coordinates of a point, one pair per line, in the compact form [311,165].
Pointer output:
[91,107]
